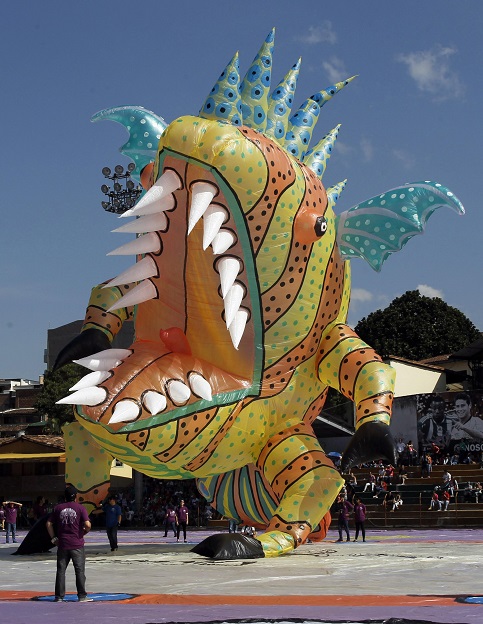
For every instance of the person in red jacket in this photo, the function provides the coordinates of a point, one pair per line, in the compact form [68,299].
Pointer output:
[435,502]
[446,499]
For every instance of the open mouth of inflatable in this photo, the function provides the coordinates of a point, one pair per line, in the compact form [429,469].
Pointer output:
[194,306]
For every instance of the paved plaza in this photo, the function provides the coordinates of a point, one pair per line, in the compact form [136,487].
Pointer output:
[434,576]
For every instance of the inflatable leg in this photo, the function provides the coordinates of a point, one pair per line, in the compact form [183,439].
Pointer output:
[88,466]
[306,483]
[291,491]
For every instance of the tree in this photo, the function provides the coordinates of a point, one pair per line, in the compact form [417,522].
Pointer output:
[56,386]
[417,327]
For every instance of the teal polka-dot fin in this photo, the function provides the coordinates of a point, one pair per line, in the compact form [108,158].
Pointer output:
[379,226]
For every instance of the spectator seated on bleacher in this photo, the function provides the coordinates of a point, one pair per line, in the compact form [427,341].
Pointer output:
[446,479]
[380,489]
[352,479]
[403,475]
[452,486]
[370,483]
[381,472]
[445,502]
[478,492]
[472,493]
[389,474]
[397,502]
[388,499]
[435,502]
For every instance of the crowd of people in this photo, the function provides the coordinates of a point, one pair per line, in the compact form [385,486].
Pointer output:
[383,477]
[157,498]
[173,505]
[161,496]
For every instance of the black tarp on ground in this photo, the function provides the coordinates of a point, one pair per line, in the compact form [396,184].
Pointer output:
[37,539]
[229,546]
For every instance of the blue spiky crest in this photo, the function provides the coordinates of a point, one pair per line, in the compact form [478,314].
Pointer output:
[248,102]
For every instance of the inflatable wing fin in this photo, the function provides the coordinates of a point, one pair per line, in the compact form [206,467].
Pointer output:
[379,226]
[145,129]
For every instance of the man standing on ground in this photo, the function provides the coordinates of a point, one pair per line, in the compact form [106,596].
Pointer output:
[182,513]
[170,522]
[67,525]
[343,510]
[113,520]
[11,511]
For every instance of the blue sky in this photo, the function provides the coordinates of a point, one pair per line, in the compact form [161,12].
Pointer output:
[414,113]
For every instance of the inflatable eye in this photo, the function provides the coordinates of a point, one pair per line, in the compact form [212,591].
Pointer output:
[310,226]
[320,226]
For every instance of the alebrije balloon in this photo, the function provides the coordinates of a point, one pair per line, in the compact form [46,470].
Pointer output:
[240,294]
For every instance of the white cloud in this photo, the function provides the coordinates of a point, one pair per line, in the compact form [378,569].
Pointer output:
[343,148]
[367,150]
[429,291]
[335,69]
[405,158]
[361,295]
[323,33]
[431,71]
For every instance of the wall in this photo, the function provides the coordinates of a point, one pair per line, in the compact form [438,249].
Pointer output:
[413,379]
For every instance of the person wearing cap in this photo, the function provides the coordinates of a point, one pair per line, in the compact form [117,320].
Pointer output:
[67,525]
[113,520]
[11,511]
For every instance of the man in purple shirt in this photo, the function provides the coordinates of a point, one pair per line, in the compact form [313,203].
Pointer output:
[182,513]
[67,525]
[11,510]
[343,508]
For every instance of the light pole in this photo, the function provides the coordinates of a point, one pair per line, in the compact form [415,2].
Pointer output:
[121,197]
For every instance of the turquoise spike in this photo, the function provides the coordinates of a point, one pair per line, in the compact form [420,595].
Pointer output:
[224,102]
[317,158]
[255,86]
[333,193]
[302,123]
[280,105]
[145,129]
[322,97]
[300,129]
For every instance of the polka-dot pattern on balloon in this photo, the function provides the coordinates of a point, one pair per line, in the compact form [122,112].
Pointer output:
[395,216]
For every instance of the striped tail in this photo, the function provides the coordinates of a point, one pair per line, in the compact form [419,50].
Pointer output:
[242,494]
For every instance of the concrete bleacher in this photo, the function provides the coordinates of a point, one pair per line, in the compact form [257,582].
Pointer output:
[416,494]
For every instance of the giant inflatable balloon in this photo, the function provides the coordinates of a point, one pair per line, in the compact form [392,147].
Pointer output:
[239,293]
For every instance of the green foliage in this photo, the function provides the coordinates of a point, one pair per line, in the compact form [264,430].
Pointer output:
[56,386]
[416,327]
